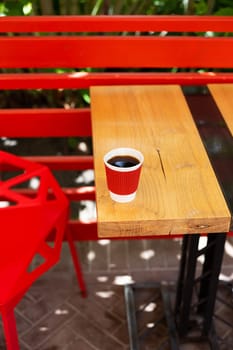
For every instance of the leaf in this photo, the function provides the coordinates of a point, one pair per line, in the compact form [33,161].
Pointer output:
[227,11]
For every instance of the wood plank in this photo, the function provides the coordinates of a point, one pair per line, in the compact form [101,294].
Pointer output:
[223,96]
[185,197]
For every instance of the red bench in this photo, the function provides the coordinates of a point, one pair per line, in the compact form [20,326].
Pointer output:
[122,50]
[97,42]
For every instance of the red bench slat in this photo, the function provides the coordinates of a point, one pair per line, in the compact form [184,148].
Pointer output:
[101,51]
[122,52]
[116,23]
[64,162]
[85,79]
[45,122]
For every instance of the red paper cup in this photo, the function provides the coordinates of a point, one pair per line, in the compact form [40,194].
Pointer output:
[123,168]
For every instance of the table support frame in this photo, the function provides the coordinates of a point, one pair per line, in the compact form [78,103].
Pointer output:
[205,285]
[195,295]
[131,311]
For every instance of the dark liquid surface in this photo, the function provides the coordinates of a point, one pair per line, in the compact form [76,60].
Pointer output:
[123,161]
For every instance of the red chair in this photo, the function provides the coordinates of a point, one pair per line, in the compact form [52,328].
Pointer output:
[26,221]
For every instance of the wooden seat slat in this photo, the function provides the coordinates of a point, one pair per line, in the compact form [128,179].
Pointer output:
[223,96]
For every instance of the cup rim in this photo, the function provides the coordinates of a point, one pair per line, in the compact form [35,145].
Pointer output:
[122,151]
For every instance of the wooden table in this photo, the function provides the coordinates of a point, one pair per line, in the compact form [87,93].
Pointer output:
[178,191]
[223,96]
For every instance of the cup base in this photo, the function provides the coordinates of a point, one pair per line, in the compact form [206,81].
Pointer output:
[125,198]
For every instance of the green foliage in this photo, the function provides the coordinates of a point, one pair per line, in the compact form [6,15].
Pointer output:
[225,11]
[201,7]
[93,7]
[15,8]
[111,7]
[167,7]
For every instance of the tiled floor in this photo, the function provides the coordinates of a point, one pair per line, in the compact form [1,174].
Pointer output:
[54,316]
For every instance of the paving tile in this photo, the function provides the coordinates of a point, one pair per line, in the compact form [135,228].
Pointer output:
[118,261]
[195,346]
[78,343]
[118,308]
[22,324]
[99,337]
[155,275]
[99,321]
[122,333]
[45,327]
[33,311]
[83,248]
[106,296]
[135,251]
[100,316]
[155,253]
[98,256]
[172,248]
[64,338]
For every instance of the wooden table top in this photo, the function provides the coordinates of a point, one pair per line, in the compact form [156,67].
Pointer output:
[178,191]
[223,96]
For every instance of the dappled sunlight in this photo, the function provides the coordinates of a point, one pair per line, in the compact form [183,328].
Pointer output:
[112,265]
[122,280]
[27,8]
[225,278]
[78,75]
[43,329]
[85,177]
[229,249]
[34,183]
[88,212]
[150,325]
[91,255]
[209,34]
[104,242]
[9,142]
[202,244]
[147,254]
[69,105]
[148,307]
[102,279]
[61,312]
[105,294]
[82,146]
[4,204]
[83,189]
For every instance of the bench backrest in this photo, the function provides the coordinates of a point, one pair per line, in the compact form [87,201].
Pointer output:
[120,50]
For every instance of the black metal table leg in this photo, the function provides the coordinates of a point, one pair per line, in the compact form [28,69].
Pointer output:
[186,283]
[209,281]
[186,309]
[131,318]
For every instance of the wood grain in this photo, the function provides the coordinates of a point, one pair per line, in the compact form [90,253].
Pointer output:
[178,191]
[223,96]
